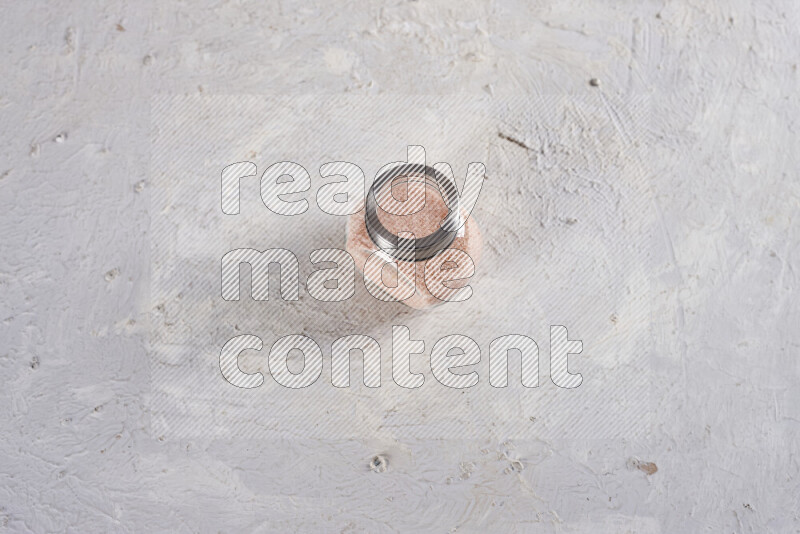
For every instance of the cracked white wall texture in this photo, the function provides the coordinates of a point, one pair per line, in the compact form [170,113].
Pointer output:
[76,453]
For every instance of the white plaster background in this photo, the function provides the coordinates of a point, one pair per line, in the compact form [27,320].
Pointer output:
[76,454]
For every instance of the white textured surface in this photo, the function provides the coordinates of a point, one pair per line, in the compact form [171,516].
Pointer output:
[76,453]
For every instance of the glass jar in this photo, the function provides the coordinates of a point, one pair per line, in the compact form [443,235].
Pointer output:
[432,267]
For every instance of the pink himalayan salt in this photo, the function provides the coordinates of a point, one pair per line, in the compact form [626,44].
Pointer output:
[422,223]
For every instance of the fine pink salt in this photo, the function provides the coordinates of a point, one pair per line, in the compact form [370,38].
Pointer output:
[422,223]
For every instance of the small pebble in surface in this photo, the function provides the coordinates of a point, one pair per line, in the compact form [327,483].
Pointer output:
[379,464]
[648,468]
